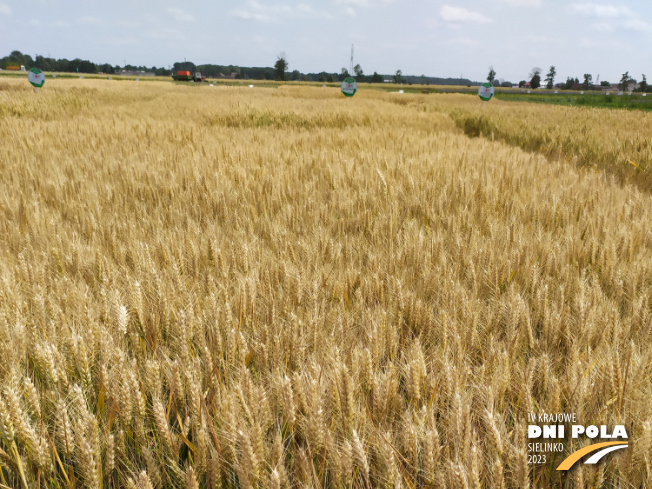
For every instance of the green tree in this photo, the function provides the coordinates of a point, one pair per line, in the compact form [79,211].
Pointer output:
[376,78]
[521,84]
[330,79]
[344,73]
[535,77]
[281,66]
[44,64]
[587,81]
[17,58]
[643,86]
[157,72]
[550,78]
[398,77]
[178,66]
[492,75]
[624,81]
[357,69]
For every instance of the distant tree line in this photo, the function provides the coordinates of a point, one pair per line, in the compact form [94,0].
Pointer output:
[279,71]
[16,58]
[572,83]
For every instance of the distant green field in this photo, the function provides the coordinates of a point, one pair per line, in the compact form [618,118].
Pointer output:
[613,100]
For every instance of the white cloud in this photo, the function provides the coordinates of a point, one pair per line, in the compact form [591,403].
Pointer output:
[249,15]
[523,3]
[90,20]
[179,14]
[358,4]
[273,13]
[538,39]
[5,9]
[303,10]
[364,3]
[460,14]
[603,45]
[167,34]
[636,24]
[615,16]
[603,11]
[602,27]
[122,40]
[34,22]
[128,23]
[590,43]
[466,42]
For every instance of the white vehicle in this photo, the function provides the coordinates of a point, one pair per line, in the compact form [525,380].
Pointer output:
[22,68]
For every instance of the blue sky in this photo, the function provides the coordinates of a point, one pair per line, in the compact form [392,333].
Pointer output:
[433,37]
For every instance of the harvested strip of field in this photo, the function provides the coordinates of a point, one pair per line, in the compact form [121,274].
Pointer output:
[242,305]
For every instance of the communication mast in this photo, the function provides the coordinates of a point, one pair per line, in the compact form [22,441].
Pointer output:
[351,68]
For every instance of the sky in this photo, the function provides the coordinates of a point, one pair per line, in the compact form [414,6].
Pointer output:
[444,38]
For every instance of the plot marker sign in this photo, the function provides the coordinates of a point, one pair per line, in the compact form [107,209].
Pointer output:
[486,91]
[349,87]
[36,77]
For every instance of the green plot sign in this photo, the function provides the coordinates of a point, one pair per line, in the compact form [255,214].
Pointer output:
[36,77]
[349,87]
[486,91]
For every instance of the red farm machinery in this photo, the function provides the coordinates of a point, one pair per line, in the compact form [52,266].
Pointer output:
[185,75]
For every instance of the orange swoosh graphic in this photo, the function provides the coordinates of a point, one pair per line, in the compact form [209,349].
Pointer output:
[575,456]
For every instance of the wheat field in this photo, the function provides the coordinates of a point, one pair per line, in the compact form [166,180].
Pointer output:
[207,287]
[617,141]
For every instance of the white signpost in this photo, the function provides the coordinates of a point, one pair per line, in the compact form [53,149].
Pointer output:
[349,87]
[36,77]
[486,92]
